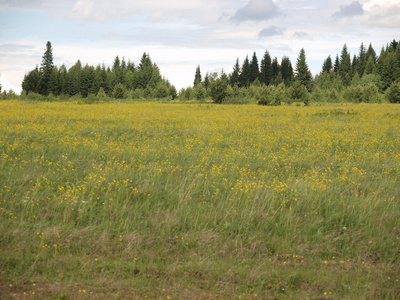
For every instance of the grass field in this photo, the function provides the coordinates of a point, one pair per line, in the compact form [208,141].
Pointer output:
[199,201]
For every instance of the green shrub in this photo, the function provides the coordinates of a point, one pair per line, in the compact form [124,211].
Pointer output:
[393,92]
[120,92]
[219,90]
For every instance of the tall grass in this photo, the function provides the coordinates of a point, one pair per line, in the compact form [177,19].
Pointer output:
[199,201]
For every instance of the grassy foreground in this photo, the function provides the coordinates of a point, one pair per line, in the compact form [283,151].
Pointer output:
[188,201]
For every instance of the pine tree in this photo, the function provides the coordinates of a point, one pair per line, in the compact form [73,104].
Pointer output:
[207,81]
[197,76]
[362,60]
[370,66]
[31,82]
[327,65]
[46,69]
[72,82]
[354,65]
[303,74]
[345,66]
[234,76]
[145,71]
[276,69]
[244,77]
[54,82]
[286,70]
[254,69]
[371,52]
[389,70]
[86,78]
[266,69]
[336,66]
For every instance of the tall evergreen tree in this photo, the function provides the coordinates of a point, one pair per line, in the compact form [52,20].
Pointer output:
[234,76]
[303,74]
[345,66]
[354,65]
[86,80]
[327,65]
[393,45]
[389,69]
[254,69]
[336,66]
[276,68]
[370,66]
[244,77]
[46,70]
[207,81]
[72,81]
[286,70]
[145,71]
[266,69]
[54,82]
[197,76]
[362,60]
[371,52]
[31,82]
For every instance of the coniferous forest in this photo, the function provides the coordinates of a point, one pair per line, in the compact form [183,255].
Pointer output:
[362,77]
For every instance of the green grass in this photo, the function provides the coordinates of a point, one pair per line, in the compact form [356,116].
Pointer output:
[151,200]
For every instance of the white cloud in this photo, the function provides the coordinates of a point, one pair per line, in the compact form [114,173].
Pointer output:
[271,31]
[347,11]
[385,14]
[256,10]
[301,35]
[155,10]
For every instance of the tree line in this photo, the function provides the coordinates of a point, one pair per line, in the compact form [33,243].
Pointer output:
[122,80]
[365,77]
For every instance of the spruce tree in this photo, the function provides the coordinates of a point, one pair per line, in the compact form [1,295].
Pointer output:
[327,65]
[276,69]
[303,74]
[31,82]
[254,69]
[244,77]
[370,66]
[286,70]
[234,76]
[266,69]
[371,52]
[46,69]
[362,60]
[197,76]
[336,66]
[345,66]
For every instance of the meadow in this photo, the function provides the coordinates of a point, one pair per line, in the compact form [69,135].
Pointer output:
[199,201]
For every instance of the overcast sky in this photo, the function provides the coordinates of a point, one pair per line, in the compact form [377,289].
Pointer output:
[179,35]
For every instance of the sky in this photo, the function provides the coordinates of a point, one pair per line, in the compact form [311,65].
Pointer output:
[179,35]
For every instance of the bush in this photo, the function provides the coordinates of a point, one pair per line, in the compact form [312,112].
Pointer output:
[280,94]
[370,93]
[172,92]
[161,91]
[393,92]
[219,90]
[101,94]
[354,94]
[299,92]
[272,95]
[34,96]
[136,94]
[199,92]
[120,92]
